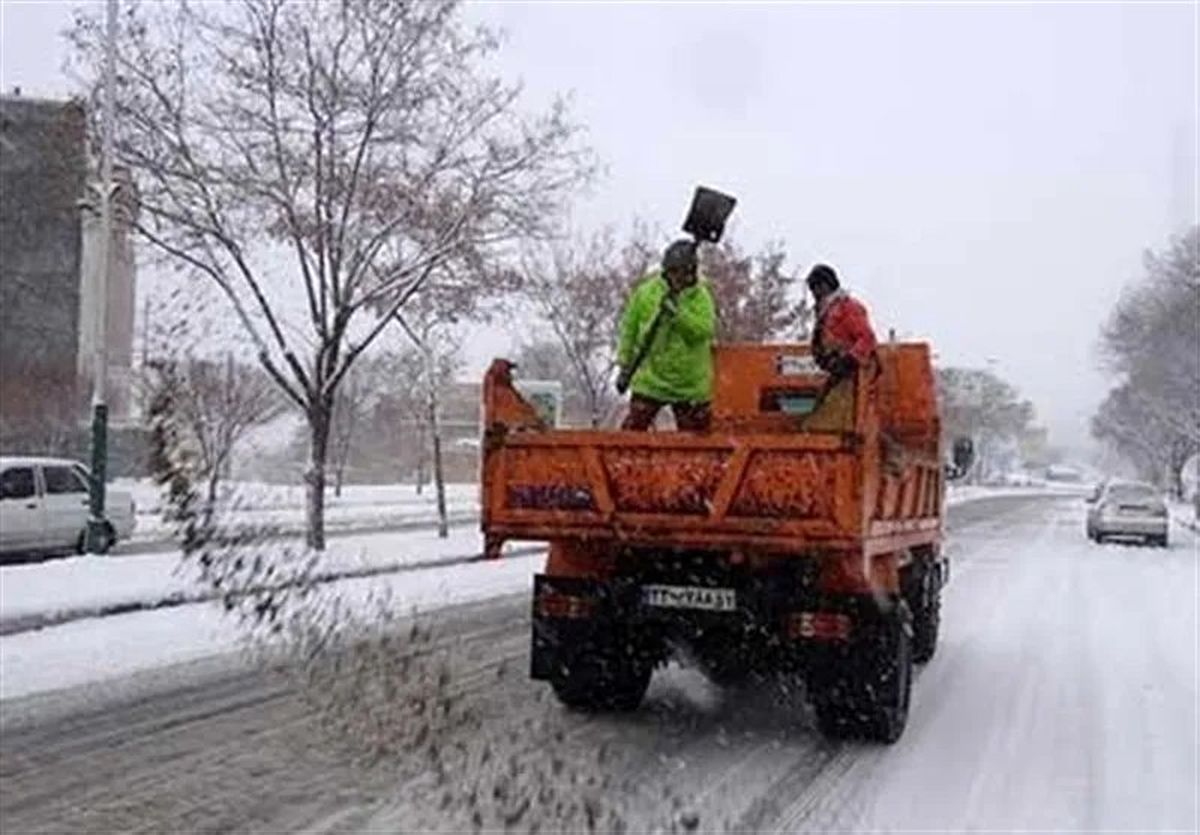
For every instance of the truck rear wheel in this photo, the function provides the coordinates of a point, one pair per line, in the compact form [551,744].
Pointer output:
[927,619]
[602,678]
[868,698]
[922,590]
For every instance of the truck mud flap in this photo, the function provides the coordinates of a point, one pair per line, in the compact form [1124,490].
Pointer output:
[568,614]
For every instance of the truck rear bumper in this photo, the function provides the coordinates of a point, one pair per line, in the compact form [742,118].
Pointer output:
[780,627]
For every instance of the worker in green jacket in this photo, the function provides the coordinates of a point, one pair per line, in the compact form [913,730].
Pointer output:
[677,370]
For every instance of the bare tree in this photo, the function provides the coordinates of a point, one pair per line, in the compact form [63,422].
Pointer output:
[1152,344]
[578,287]
[437,350]
[217,403]
[357,397]
[757,297]
[324,163]
[980,405]
[400,420]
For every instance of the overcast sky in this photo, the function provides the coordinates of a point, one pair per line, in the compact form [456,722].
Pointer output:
[983,176]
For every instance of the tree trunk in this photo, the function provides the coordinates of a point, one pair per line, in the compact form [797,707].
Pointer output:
[338,475]
[1179,457]
[343,444]
[420,459]
[439,480]
[318,424]
[210,503]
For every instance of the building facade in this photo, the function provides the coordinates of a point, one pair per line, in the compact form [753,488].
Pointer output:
[43,168]
[49,277]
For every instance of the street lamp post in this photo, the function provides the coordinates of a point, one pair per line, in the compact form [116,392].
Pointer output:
[97,529]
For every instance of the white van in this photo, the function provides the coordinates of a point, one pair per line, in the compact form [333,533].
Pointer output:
[44,506]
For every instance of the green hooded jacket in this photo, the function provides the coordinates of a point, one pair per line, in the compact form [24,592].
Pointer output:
[679,366]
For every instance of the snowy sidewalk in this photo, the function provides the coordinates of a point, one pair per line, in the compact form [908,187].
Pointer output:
[46,594]
[281,507]
[94,650]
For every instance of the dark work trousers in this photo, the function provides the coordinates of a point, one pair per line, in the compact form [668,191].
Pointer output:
[689,417]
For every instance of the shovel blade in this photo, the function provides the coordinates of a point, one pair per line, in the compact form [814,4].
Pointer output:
[706,218]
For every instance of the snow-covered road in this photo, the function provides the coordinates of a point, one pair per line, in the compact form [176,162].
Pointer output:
[1063,698]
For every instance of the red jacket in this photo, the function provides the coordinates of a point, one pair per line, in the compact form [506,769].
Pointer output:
[843,327]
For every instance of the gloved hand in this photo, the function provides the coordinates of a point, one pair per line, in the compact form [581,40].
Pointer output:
[840,366]
[623,380]
[670,303]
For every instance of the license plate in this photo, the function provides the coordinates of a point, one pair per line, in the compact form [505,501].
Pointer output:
[690,597]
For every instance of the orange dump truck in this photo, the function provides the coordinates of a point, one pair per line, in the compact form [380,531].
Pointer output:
[791,537]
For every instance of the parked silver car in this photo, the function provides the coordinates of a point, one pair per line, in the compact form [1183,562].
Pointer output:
[44,506]
[1127,509]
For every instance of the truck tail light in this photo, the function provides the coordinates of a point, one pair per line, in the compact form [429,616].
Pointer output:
[553,604]
[818,626]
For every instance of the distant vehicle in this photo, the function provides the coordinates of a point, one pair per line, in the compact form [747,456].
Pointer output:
[1018,478]
[44,506]
[1062,473]
[1127,509]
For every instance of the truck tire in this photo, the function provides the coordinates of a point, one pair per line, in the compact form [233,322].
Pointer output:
[725,657]
[869,699]
[602,679]
[927,620]
[728,670]
[923,594]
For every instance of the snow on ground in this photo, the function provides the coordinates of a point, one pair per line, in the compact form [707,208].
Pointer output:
[263,496]
[359,506]
[1062,697]
[92,584]
[95,649]
[960,493]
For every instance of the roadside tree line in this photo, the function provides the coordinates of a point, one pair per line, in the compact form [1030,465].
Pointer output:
[1151,347]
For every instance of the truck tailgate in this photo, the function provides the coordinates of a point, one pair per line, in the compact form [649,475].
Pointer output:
[757,491]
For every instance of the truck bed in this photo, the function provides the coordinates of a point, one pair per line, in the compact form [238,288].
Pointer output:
[757,482]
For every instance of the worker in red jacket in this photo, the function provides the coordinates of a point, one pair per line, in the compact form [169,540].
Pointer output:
[842,340]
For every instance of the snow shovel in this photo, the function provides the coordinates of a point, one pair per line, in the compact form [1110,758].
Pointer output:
[705,222]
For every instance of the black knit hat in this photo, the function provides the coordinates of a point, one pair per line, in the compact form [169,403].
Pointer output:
[681,253]
[823,274]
